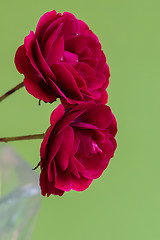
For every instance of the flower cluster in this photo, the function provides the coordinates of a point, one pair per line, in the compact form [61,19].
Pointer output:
[63,59]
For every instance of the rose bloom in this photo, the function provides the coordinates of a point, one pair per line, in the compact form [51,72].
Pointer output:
[77,147]
[63,59]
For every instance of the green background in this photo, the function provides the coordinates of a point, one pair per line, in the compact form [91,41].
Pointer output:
[125,202]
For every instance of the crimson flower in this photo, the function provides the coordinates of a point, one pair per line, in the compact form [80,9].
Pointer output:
[63,59]
[77,147]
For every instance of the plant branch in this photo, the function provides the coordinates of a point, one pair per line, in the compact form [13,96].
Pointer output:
[20,85]
[20,138]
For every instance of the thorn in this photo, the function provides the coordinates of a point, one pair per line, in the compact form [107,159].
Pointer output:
[36,166]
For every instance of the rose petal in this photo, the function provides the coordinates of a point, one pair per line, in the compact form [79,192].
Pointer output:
[54,145]
[75,44]
[102,63]
[62,159]
[50,172]
[80,184]
[114,143]
[42,64]
[39,89]
[85,70]
[57,114]
[70,58]
[68,119]
[29,41]
[56,52]
[63,180]
[44,22]
[84,125]
[83,28]
[76,142]
[113,126]
[45,142]
[104,97]
[68,140]
[22,62]
[51,40]
[42,182]
[73,168]
[81,83]
[104,116]
[66,82]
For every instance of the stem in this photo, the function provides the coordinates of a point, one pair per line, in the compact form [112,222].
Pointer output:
[27,137]
[20,85]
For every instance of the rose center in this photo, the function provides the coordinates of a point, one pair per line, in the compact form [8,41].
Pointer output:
[94,148]
[70,58]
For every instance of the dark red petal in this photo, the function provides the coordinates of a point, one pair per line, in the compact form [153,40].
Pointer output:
[104,116]
[98,136]
[104,97]
[107,149]
[69,25]
[66,82]
[113,126]
[57,114]
[73,168]
[81,83]
[68,140]
[83,28]
[22,62]
[44,143]
[69,118]
[56,52]
[85,70]
[41,63]
[94,46]
[70,15]
[86,54]
[51,40]
[48,187]
[96,82]
[70,58]
[92,62]
[80,124]
[79,165]
[80,184]
[62,159]
[44,22]
[53,190]
[76,44]
[76,142]
[29,42]
[63,180]
[92,163]
[54,145]
[69,28]
[50,172]
[42,182]
[114,143]
[102,63]
[39,89]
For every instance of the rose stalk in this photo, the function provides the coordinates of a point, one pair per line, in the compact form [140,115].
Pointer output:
[20,138]
[8,93]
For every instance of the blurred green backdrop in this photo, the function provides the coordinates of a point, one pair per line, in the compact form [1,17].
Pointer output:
[124,202]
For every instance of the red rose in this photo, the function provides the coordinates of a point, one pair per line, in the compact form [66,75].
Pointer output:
[63,58]
[77,147]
